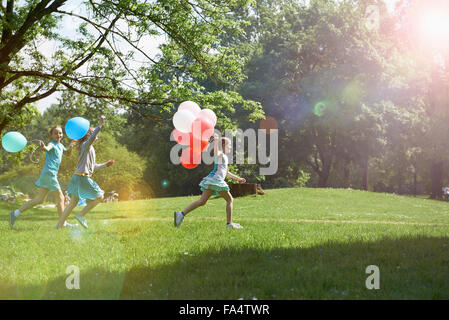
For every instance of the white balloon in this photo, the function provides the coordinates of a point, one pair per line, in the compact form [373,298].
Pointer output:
[208,113]
[182,120]
[190,106]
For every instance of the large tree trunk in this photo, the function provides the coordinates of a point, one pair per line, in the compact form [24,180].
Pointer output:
[346,175]
[322,180]
[415,183]
[365,174]
[325,172]
[436,174]
[400,181]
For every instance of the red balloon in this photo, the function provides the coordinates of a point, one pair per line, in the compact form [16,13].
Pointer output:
[198,145]
[189,157]
[182,138]
[202,128]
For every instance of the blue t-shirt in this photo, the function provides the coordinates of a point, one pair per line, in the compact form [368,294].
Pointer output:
[53,157]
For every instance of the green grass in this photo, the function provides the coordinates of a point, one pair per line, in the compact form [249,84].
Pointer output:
[296,244]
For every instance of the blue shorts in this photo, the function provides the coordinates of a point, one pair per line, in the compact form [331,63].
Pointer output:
[48,181]
[84,188]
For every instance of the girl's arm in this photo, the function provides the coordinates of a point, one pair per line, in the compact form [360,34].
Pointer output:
[43,146]
[233,176]
[217,153]
[95,133]
[70,147]
[103,165]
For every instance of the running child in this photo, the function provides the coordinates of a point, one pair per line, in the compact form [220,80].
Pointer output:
[48,179]
[81,186]
[214,184]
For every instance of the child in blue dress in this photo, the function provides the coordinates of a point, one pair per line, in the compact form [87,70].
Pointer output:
[81,186]
[214,184]
[48,179]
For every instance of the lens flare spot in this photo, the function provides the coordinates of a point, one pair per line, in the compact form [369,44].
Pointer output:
[319,108]
[76,234]
[165,183]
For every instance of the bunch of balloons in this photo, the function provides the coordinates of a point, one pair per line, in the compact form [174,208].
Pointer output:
[193,127]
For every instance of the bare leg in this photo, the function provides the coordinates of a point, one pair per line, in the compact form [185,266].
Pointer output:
[90,205]
[41,196]
[67,210]
[201,202]
[229,200]
[59,199]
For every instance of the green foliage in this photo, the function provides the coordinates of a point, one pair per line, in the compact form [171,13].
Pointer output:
[303,178]
[94,65]
[21,178]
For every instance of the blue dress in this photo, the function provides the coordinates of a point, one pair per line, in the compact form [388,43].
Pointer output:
[49,174]
[84,188]
[215,179]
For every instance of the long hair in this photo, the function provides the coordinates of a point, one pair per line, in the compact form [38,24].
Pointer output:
[80,142]
[225,141]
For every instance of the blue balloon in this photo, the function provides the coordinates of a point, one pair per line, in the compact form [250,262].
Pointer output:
[14,141]
[77,127]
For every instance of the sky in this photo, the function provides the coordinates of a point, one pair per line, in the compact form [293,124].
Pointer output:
[68,28]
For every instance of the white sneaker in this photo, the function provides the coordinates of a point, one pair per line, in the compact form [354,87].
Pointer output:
[66,224]
[234,225]
[82,220]
[178,217]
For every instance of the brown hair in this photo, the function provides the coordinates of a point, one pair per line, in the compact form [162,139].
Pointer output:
[53,128]
[79,142]
[225,140]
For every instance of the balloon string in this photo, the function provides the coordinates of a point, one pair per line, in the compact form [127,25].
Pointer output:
[32,158]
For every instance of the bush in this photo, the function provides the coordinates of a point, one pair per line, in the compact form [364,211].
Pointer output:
[303,178]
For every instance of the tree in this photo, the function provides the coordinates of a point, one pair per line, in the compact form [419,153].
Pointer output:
[430,55]
[100,62]
[315,70]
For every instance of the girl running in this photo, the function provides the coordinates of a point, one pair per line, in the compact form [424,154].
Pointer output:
[81,186]
[214,184]
[48,179]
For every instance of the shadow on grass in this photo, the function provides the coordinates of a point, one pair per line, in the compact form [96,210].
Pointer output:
[410,268]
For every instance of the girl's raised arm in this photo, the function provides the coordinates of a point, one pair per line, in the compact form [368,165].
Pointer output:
[217,152]
[95,133]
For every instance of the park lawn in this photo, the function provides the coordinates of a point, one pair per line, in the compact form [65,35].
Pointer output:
[296,244]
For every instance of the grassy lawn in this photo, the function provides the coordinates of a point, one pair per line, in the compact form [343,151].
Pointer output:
[296,244]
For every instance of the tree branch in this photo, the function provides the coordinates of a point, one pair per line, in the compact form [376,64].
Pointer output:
[16,42]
